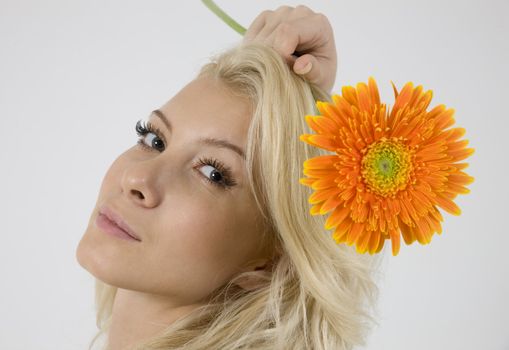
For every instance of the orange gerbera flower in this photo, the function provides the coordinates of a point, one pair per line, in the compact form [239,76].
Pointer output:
[390,169]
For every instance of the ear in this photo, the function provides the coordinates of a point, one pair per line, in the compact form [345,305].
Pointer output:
[258,275]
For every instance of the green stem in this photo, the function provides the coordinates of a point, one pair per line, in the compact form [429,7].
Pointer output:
[227,19]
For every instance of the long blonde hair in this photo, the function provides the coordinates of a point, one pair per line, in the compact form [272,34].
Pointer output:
[318,295]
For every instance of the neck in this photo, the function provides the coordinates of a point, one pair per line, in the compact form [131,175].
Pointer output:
[137,316]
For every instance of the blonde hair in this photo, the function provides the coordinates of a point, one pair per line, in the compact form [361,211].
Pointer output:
[318,295]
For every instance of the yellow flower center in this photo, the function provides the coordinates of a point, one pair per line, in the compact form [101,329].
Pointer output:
[386,167]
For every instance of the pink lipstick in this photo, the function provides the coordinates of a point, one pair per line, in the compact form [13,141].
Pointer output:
[110,227]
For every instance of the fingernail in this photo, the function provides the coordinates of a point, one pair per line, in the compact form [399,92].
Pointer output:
[306,69]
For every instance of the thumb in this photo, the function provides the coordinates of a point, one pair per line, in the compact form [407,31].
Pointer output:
[308,67]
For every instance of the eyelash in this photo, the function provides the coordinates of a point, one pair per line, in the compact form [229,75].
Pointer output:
[145,127]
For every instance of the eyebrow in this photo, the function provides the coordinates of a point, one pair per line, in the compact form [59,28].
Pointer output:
[211,141]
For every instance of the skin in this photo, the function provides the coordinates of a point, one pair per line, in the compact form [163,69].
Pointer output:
[299,29]
[194,236]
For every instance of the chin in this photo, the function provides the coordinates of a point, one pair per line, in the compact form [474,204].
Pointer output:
[104,263]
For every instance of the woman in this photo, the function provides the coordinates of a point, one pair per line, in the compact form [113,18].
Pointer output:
[222,252]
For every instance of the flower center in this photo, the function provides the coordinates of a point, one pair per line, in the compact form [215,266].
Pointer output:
[386,167]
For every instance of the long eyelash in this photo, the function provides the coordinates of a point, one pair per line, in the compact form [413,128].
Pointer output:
[228,181]
[145,127]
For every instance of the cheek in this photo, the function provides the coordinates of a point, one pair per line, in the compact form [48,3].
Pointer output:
[197,243]
[202,229]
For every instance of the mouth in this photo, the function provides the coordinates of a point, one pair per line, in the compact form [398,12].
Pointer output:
[116,220]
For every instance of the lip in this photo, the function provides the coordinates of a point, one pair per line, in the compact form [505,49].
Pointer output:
[118,221]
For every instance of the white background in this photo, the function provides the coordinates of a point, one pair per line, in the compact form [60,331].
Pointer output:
[75,76]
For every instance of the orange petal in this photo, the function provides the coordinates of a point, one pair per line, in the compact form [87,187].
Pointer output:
[380,244]
[330,204]
[395,90]
[444,119]
[435,111]
[395,241]
[447,204]
[362,246]
[342,230]
[458,188]
[325,182]
[461,154]
[373,91]
[322,195]
[315,209]
[374,241]
[460,166]
[407,233]
[363,97]
[433,224]
[403,98]
[321,162]
[341,112]
[319,172]
[307,181]
[339,237]
[355,231]
[327,142]
[405,216]
[313,125]
[436,213]
[419,232]
[422,231]
[336,217]
[421,205]
[457,145]
[461,178]
[454,134]
[349,94]
[348,193]
[326,124]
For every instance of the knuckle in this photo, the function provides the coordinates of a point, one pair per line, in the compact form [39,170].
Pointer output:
[284,32]
[321,16]
[284,8]
[284,37]
[303,8]
[285,28]
[265,13]
[262,16]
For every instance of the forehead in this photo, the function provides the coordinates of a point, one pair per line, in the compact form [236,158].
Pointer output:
[206,107]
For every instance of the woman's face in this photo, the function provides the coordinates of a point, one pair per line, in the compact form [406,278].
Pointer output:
[195,235]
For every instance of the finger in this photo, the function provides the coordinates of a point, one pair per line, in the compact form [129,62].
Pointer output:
[313,32]
[274,18]
[284,40]
[299,12]
[322,73]
[263,27]
[311,73]
[300,36]
[257,25]
[273,21]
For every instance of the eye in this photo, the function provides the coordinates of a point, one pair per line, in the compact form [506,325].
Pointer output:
[216,173]
[154,142]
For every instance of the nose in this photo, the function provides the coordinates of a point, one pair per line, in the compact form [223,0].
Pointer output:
[139,184]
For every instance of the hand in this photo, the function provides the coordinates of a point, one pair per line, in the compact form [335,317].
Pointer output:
[300,30]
